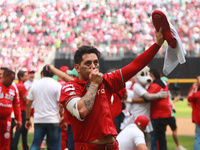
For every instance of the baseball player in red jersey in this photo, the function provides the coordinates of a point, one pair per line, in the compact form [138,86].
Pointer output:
[8,102]
[87,99]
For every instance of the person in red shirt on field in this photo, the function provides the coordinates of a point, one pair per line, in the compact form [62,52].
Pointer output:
[22,77]
[160,112]
[8,102]
[87,99]
[194,99]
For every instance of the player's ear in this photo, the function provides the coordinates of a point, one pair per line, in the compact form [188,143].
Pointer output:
[77,67]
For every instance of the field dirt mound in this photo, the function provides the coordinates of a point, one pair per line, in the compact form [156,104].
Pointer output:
[185,126]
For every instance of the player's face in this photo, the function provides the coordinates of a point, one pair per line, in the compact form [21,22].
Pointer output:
[25,77]
[90,62]
[31,76]
[7,80]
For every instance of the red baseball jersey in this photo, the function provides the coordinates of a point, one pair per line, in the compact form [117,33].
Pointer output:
[22,91]
[99,121]
[9,101]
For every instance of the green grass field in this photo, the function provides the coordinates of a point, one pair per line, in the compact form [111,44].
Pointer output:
[186,141]
[183,111]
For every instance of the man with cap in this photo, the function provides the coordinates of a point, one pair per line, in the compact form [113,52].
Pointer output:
[28,83]
[132,136]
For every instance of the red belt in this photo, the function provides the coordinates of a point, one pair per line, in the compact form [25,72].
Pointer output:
[86,146]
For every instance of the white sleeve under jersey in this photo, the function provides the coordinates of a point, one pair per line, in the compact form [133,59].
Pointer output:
[73,109]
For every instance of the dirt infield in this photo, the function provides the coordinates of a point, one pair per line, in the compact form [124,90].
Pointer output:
[184,127]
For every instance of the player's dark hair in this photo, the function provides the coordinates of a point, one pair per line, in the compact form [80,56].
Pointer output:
[3,68]
[20,74]
[8,72]
[155,73]
[46,71]
[85,50]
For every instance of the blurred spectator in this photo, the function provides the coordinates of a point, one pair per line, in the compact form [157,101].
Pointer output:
[32,30]
[8,102]
[160,112]
[22,77]
[172,122]
[194,99]
[132,136]
[46,117]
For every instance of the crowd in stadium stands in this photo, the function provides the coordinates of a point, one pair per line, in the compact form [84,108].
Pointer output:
[116,28]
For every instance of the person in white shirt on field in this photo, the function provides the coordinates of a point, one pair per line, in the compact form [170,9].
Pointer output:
[132,136]
[45,93]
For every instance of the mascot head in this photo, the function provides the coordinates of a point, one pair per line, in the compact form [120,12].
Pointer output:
[143,77]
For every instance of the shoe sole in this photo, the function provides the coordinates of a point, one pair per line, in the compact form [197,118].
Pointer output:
[160,20]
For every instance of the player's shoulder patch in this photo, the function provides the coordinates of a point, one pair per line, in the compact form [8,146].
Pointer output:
[68,87]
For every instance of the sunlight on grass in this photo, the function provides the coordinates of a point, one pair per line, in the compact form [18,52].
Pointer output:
[182,109]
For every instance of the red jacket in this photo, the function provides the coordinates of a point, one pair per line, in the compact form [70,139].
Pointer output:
[160,108]
[22,92]
[195,100]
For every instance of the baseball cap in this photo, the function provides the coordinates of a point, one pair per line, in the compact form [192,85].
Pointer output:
[72,72]
[142,121]
[64,68]
[31,71]
[163,78]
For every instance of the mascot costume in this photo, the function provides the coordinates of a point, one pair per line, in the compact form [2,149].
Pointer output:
[139,103]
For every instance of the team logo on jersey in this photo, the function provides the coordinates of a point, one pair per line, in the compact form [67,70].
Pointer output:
[68,85]
[11,92]
[69,89]
[7,135]
[7,96]
[101,91]
[1,95]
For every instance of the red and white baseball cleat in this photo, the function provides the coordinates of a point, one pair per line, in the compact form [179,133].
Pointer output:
[160,20]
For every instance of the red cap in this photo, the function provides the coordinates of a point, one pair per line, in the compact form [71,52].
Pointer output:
[64,69]
[31,71]
[142,121]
